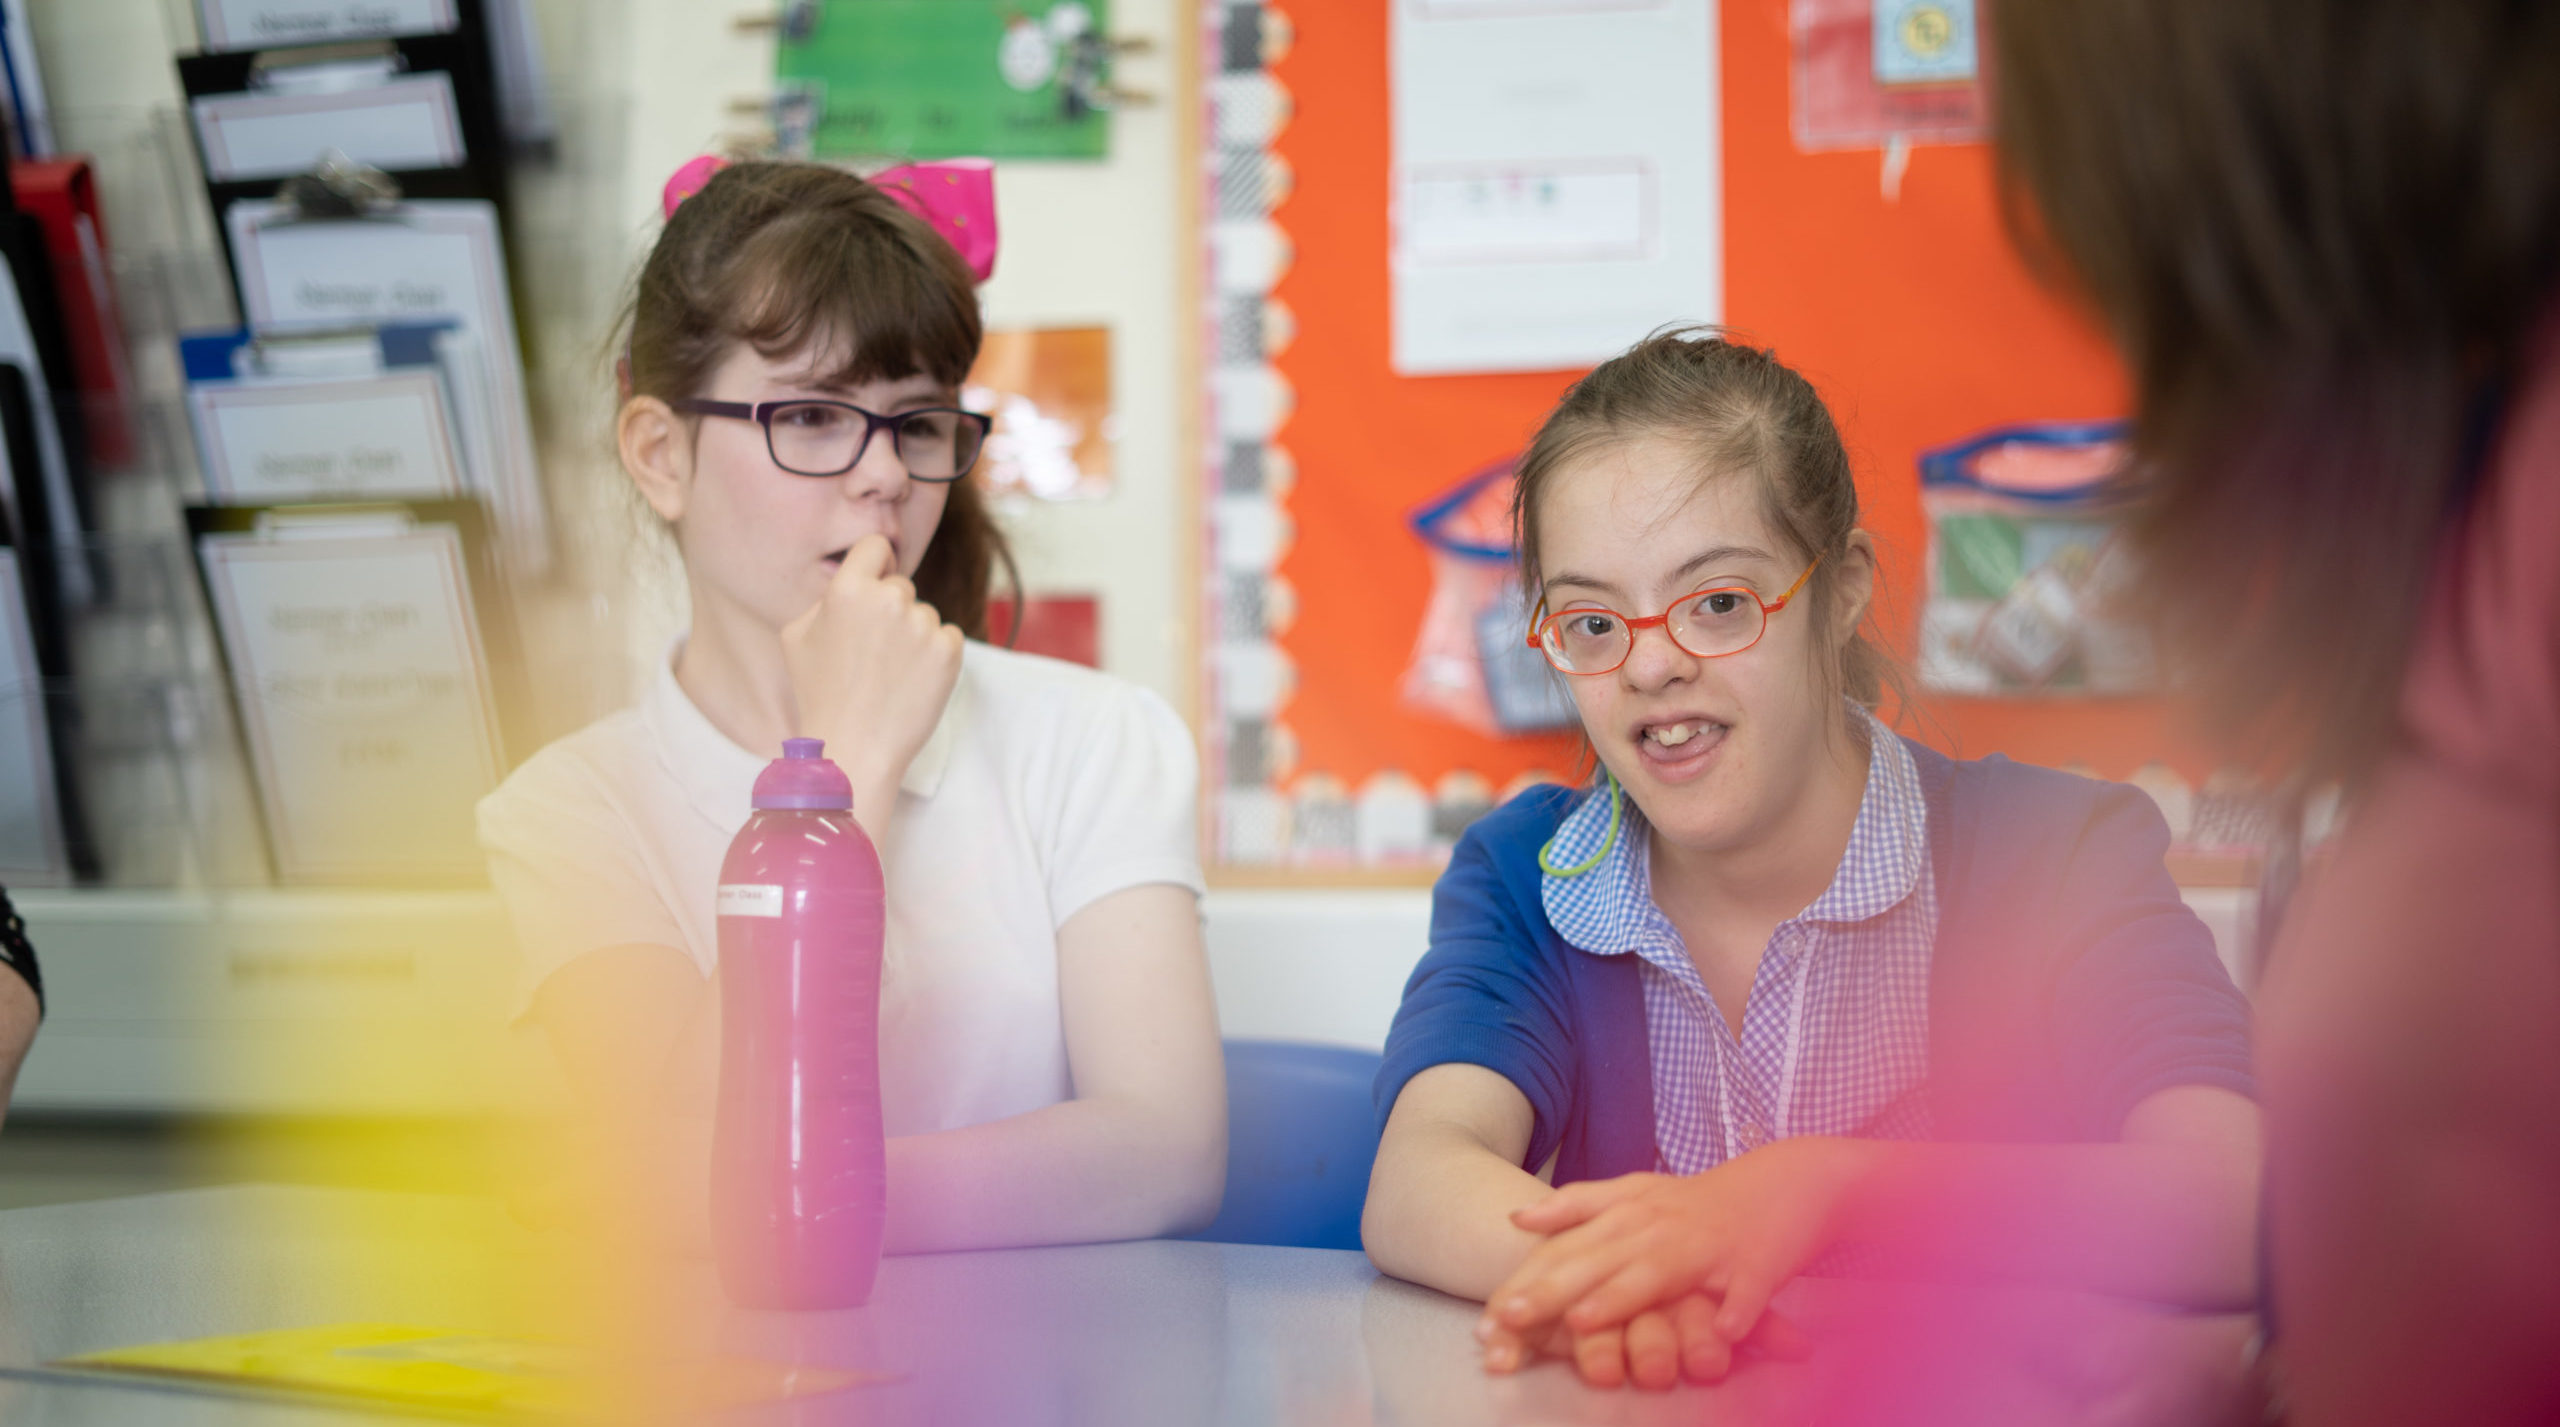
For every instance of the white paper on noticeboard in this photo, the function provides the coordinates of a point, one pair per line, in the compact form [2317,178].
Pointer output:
[255,24]
[419,261]
[407,122]
[1557,182]
[285,440]
[356,656]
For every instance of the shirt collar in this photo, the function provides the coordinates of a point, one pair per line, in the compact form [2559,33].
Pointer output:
[1608,909]
[1889,844]
[716,773]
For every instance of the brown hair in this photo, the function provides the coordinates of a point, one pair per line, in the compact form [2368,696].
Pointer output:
[1742,412]
[801,257]
[2320,231]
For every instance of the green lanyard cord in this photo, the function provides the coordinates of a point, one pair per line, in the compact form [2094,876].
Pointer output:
[1546,853]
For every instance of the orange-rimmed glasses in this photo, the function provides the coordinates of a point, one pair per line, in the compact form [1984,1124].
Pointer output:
[1706,624]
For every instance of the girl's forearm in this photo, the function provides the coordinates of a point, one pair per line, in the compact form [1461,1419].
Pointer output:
[1079,1172]
[2170,1223]
[1439,1213]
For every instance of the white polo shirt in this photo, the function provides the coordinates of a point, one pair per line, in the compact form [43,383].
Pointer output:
[1045,787]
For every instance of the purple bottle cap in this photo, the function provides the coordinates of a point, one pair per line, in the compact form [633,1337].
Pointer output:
[803,778]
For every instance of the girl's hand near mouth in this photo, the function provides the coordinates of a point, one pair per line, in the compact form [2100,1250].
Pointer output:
[871,668]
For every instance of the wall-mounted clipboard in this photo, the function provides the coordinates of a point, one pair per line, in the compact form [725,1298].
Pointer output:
[366,646]
[361,414]
[256,24]
[405,122]
[279,90]
[423,261]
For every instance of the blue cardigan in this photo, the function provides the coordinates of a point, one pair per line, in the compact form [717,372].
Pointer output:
[2067,982]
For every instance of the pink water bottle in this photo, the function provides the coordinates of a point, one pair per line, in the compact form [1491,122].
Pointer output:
[799,1165]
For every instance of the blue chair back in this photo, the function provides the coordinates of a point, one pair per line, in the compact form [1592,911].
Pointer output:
[1300,1138]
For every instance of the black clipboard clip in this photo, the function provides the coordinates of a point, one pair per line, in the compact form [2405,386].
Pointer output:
[337,188]
[349,64]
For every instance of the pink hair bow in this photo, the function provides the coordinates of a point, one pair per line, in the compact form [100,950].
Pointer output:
[957,197]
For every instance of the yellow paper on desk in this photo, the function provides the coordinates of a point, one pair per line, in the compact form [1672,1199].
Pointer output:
[434,1370]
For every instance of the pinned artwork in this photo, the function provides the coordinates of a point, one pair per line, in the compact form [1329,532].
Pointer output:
[1065,627]
[926,79]
[2026,571]
[1888,73]
[1472,663]
[1049,390]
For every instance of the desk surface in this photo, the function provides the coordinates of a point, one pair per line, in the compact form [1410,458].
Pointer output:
[1118,1335]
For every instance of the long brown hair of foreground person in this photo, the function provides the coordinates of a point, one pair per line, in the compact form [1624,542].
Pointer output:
[760,256]
[2315,228]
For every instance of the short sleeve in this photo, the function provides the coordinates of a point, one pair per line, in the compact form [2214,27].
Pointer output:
[1484,994]
[1128,810]
[566,862]
[2144,1004]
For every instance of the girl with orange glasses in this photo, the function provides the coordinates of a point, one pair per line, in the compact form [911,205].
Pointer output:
[1781,983]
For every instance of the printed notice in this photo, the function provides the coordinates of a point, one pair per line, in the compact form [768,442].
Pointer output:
[356,661]
[1557,179]
[1526,213]
[256,24]
[384,436]
[410,122]
[426,261]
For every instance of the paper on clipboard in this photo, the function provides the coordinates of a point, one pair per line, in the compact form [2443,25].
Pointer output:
[417,261]
[252,24]
[360,414]
[357,663]
[377,436]
[407,121]
[32,850]
[1557,187]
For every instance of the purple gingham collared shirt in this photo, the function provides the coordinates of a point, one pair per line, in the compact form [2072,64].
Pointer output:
[1835,1034]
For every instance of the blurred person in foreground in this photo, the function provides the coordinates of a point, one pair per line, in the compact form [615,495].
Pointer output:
[2325,235]
[21,997]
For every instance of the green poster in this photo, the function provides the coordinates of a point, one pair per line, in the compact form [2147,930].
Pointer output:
[931,79]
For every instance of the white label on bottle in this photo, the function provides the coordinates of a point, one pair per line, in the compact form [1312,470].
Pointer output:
[750,899]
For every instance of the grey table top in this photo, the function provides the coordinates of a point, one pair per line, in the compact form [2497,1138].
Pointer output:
[1127,1335]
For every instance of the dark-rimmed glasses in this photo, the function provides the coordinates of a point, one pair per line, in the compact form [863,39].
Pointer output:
[808,437]
[1706,624]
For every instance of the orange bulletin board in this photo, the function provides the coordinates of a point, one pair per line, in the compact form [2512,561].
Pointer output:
[1913,315]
